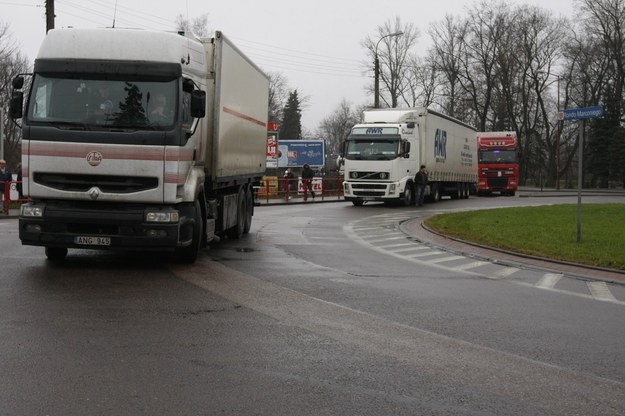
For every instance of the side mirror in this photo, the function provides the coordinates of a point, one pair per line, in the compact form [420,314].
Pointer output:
[16,105]
[18,82]
[198,104]
[406,149]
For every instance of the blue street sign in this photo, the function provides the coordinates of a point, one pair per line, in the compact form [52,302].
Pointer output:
[581,113]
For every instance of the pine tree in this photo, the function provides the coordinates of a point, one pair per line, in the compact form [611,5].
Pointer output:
[291,126]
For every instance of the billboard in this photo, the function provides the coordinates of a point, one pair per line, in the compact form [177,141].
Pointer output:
[295,153]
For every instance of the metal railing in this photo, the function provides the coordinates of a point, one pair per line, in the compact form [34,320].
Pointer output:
[285,190]
[8,188]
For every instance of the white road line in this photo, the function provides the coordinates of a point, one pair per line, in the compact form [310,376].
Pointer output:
[402,237]
[429,253]
[548,281]
[504,272]
[394,246]
[444,259]
[471,265]
[600,291]
[413,248]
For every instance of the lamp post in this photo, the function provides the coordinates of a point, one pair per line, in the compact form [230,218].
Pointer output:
[376,103]
[558,137]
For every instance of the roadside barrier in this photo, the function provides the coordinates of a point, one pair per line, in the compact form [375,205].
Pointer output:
[12,196]
[275,189]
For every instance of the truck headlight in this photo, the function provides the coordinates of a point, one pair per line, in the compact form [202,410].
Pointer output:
[162,216]
[391,189]
[31,211]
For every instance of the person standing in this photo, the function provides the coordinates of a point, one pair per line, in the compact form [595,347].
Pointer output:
[307,179]
[5,184]
[421,180]
[289,180]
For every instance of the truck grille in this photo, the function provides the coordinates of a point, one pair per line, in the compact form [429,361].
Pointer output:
[106,183]
[497,182]
[362,189]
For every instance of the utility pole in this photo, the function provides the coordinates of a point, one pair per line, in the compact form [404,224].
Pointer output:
[49,15]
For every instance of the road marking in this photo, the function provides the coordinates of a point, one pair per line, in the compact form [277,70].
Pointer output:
[388,227]
[444,259]
[472,265]
[429,253]
[504,272]
[600,291]
[549,280]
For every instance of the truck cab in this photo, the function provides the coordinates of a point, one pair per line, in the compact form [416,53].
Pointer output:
[379,163]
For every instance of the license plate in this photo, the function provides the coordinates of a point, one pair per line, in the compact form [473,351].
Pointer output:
[92,241]
[368,198]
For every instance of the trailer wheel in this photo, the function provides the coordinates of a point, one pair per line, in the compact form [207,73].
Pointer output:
[56,253]
[237,230]
[249,209]
[189,253]
[435,192]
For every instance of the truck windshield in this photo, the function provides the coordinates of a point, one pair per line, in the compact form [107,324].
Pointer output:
[96,103]
[497,156]
[378,149]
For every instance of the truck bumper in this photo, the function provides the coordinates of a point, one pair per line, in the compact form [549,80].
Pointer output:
[372,191]
[102,227]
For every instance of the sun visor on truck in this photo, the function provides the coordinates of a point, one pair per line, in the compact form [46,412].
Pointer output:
[82,66]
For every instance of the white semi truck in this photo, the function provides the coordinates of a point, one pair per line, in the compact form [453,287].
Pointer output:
[139,140]
[382,156]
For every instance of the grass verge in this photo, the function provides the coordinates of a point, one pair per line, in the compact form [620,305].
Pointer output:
[545,231]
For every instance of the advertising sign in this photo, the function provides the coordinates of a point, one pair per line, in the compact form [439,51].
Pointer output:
[296,153]
[272,150]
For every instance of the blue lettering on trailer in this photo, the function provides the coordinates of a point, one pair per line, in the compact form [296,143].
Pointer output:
[374,130]
[440,145]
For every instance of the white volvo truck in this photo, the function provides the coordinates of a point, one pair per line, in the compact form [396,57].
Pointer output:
[139,140]
[382,155]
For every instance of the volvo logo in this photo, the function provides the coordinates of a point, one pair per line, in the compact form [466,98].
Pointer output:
[94,193]
[94,158]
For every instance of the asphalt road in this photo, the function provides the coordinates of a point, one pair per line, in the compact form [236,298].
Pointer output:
[322,309]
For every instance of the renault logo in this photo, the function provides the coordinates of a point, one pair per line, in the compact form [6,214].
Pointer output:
[94,193]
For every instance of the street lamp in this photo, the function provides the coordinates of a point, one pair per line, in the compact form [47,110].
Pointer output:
[558,138]
[377,68]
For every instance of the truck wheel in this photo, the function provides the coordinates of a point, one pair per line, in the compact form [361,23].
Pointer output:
[435,192]
[237,230]
[408,195]
[357,202]
[56,253]
[189,253]
[249,211]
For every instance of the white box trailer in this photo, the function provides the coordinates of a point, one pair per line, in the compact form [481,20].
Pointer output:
[383,154]
[136,139]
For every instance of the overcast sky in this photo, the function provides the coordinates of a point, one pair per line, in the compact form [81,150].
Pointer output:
[315,44]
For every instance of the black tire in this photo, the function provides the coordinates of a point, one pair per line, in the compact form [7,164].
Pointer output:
[408,195]
[56,253]
[189,253]
[237,230]
[249,209]
[435,194]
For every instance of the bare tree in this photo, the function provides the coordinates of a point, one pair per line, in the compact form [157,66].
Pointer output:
[336,127]
[447,38]
[393,54]
[12,63]
[197,25]
[278,95]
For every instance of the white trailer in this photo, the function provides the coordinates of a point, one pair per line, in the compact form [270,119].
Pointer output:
[107,168]
[383,154]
